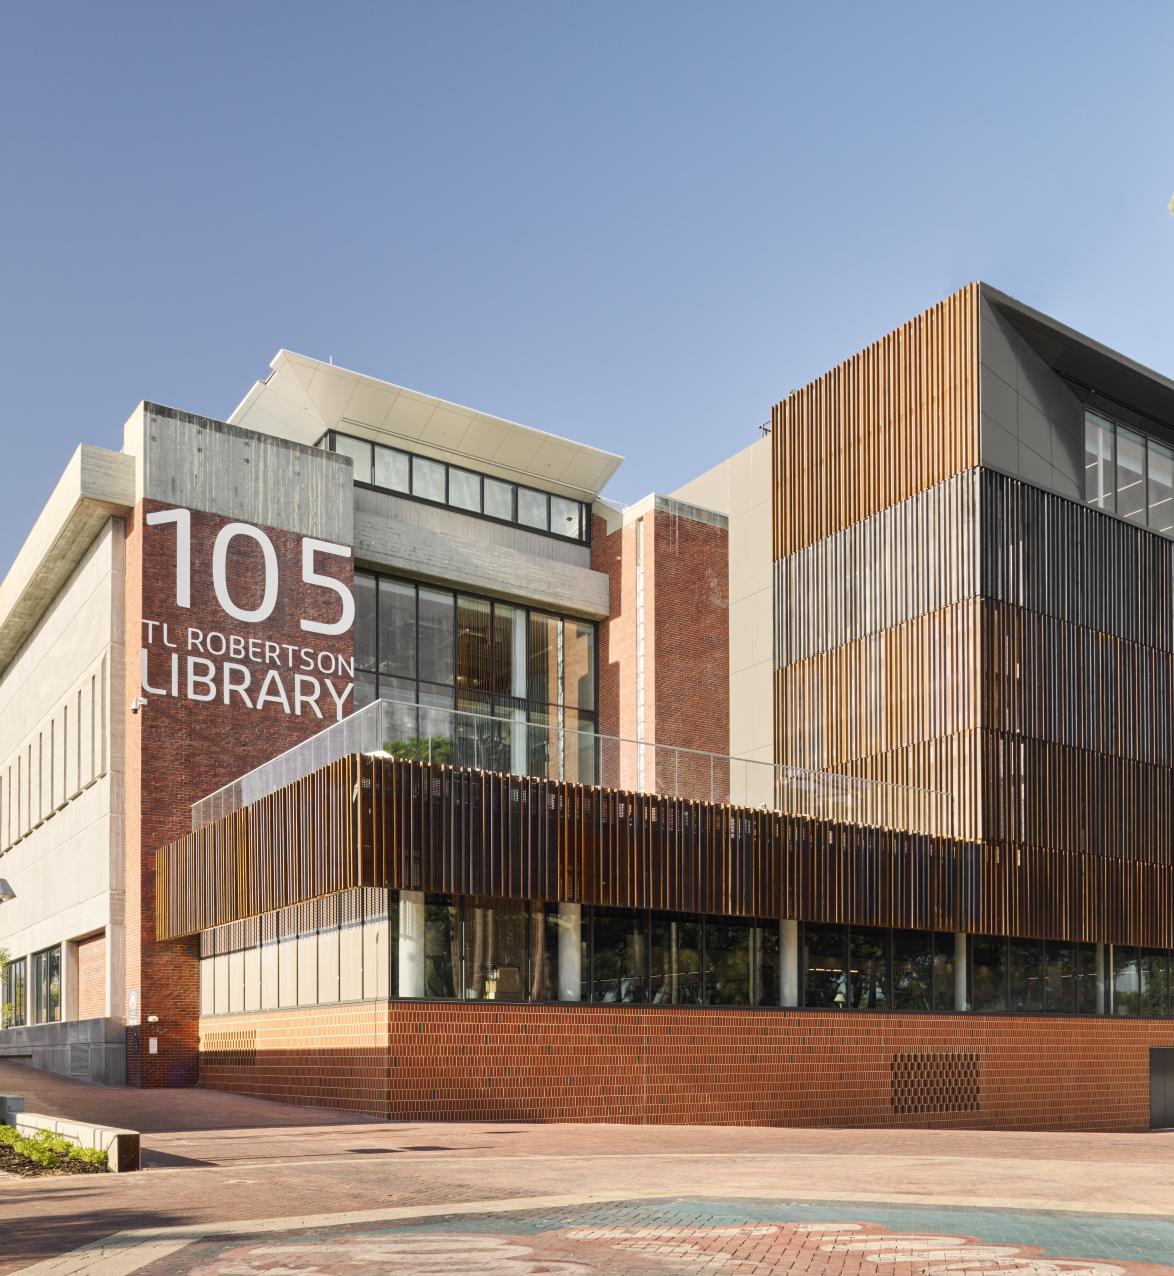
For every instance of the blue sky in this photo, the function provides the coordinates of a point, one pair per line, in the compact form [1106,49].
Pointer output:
[636,224]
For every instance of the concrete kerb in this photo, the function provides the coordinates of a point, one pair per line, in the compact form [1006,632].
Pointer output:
[121,1146]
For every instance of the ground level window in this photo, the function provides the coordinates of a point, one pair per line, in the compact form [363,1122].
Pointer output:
[676,960]
[46,986]
[12,995]
[988,973]
[825,967]
[620,955]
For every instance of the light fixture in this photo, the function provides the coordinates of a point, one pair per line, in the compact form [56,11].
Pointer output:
[6,891]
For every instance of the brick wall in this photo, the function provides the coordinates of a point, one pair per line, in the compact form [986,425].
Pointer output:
[179,750]
[91,977]
[686,647]
[323,1056]
[692,1065]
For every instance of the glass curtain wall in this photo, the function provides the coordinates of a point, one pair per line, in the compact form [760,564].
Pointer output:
[529,674]
[482,949]
[1128,473]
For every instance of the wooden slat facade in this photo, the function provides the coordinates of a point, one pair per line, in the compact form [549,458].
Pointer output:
[389,823]
[943,625]
[886,424]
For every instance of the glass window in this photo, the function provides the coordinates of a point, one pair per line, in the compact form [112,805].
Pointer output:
[496,939]
[366,689]
[676,960]
[464,490]
[944,992]
[509,651]
[869,968]
[427,479]
[12,997]
[1125,981]
[1131,494]
[397,629]
[1152,972]
[566,517]
[1025,983]
[1086,980]
[620,955]
[474,647]
[913,959]
[764,964]
[988,974]
[579,664]
[578,742]
[365,613]
[393,469]
[442,949]
[499,499]
[436,636]
[1161,488]
[360,453]
[727,961]
[1100,478]
[532,509]
[1059,977]
[46,989]
[544,678]
[825,954]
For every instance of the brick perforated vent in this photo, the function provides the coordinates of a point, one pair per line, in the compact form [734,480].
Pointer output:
[942,1082]
[231,1049]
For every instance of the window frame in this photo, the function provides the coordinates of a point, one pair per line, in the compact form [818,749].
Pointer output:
[329,442]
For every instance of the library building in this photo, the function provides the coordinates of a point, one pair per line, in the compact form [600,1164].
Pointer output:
[358,751]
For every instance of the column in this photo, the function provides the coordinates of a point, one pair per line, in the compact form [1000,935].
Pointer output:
[961,1001]
[788,962]
[570,952]
[411,943]
[1101,1006]
[70,1008]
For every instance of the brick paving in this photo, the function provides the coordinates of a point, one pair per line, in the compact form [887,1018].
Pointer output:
[214,1158]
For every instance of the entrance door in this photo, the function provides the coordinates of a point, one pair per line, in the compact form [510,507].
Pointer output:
[1161,1088]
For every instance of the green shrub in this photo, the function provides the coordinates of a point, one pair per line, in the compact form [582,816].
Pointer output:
[91,1156]
[47,1149]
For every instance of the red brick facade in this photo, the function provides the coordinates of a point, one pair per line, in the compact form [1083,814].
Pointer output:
[178,751]
[685,639]
[91,977]
[418,1061]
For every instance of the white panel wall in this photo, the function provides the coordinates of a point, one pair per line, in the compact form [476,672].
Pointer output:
[60,802]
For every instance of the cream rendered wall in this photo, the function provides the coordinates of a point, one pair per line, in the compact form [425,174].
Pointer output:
[61,787]
[740,489]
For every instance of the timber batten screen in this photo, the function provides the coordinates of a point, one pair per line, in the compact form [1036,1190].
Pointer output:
[392,823]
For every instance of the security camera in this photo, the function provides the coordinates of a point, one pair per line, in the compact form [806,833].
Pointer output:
[139,702]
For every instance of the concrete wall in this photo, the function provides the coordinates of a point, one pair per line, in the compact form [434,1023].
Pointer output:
[740,488]
[89,1049]
[61,797]
[191,461]
[402,536]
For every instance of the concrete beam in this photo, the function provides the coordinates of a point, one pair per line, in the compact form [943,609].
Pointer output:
[96,485]
[480,566]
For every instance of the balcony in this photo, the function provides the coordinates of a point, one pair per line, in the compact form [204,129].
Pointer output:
[426,733]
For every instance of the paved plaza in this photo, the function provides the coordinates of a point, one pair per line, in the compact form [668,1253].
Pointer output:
[234,1185]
